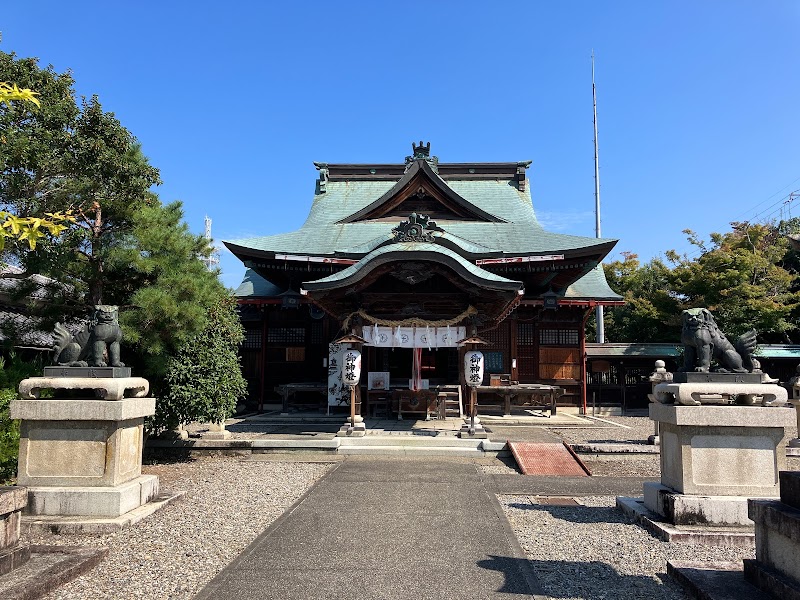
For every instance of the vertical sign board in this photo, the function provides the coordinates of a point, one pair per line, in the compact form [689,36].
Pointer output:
[338,394]
[473,368]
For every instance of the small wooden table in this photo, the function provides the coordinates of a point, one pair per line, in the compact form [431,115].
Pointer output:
[547,394]
[288,390]
[419,402]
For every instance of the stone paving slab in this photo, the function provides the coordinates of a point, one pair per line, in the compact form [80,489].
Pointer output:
[714,581]
[402,529]
[48,568]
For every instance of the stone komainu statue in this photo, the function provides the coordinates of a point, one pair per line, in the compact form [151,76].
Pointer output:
[96,346]
[702,340]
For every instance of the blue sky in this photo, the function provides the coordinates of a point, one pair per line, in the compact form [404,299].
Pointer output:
[698,101]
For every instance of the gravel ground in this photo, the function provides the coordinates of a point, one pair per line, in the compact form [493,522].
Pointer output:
[647,465]
[618,430]
[593,552]
[590,552]
[176,551]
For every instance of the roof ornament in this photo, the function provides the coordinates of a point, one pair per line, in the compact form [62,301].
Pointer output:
[422,152]
[418,228]
[323,176]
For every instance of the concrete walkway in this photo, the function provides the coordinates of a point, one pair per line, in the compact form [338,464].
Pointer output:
[385,528]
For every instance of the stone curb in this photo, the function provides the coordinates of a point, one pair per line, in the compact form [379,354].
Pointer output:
[76,562]
[714,581]
[60,524]
[589,448]
[635,509]
[383,444]
[774,584]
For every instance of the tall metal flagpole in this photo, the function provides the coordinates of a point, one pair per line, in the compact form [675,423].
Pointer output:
[601,334]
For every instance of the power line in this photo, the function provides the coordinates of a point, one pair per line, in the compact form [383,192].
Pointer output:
[781,209]
[767,199]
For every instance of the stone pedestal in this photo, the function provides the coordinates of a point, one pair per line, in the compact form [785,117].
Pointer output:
[695,389]
[12,553]
[83,457]
[776,568]
[476,432]
[102,388]
[660,375]
[715,457]
[795,402]
[357,428]
[216,431]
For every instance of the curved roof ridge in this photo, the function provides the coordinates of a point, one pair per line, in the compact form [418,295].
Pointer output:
[412,250]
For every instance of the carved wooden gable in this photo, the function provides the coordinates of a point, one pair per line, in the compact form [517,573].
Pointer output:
[421,191]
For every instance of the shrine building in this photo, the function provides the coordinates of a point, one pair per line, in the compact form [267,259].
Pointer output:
[414,257]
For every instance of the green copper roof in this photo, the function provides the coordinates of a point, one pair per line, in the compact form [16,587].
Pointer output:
[791,351]
[415,250]
[593,286]
[255,286]
[595,350]
[322,234]
[656,350]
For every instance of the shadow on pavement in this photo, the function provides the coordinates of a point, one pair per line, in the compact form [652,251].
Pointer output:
[577,514]
[595,580]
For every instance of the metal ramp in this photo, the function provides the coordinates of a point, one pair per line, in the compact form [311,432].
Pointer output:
[547,459]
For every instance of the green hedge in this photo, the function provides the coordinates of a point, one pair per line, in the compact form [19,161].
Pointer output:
[12,371]
[9,437]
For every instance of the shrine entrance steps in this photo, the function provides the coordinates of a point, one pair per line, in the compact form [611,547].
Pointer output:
[546,458]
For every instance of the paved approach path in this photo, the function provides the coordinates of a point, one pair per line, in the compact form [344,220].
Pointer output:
[385,528]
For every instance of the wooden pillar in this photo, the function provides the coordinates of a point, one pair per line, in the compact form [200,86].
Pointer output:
[353,405]
[514,355]
[583,359]
[263,365]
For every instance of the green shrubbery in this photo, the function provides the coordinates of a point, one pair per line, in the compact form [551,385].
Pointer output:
[12,371]
[9,437]
[204,379]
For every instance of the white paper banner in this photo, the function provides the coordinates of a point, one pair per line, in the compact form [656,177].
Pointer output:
[338,392]
[414,337]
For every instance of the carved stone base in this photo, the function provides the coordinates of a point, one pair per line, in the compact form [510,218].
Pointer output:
[694,394]
[722,450]
[108,501]
[94,372]
[689,509]
[103,388]
[85,443]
